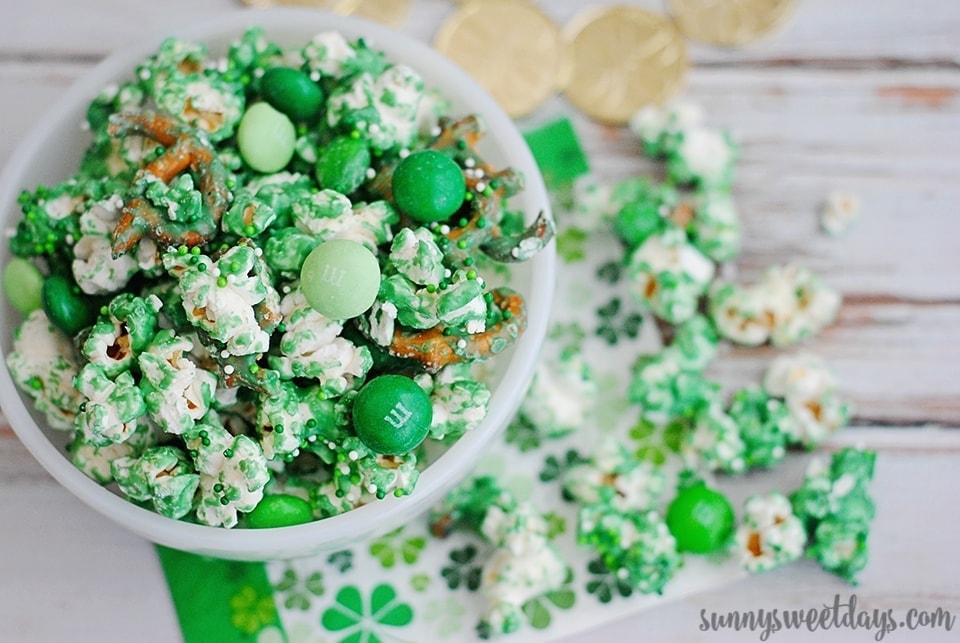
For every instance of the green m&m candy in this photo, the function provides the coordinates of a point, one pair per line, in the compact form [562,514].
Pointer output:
[700,518]
[292,92]
[279,510]
[22,282]
[66,306]
[392,414]
[340,279]
[428,186]
[266,138]
[342,165]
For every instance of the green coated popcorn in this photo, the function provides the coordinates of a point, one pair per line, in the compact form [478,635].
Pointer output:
[524,566]
[715,440]
[329,54]
[286,249]
[177,392]
[415,255]
[461,304]
[233,472]
[561,395]
[789,304]
[311,347]
[280,191]
[122,331]
[764,424]
[162,476]
[359,475]
[614,475]
[220,297]
[112,409]
[96,461]
[383,108]
[247,216]
[330,215]
[836,509]
[770,535]
[659,128]
[637,546]
[703,157]
[43,364]
[668,275]
[694,344]
[210,103]
[459,403]
[809,390]
[466,506]
[665,390]
[715,226]
[642,209]
[252,53]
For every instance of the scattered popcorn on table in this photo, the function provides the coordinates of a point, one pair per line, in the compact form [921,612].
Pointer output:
[669,275]
[836,508]
[770,535]
[838,212]
[561,396]
[809,390]
[524,564]
[637,546]
[764,425]
[613,474]
[714,440]
[789,304]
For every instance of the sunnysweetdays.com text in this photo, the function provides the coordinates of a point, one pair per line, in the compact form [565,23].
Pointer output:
[839,615]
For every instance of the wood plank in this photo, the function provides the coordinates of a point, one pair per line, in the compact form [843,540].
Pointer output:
[896,362]
[820,31]
[890,137]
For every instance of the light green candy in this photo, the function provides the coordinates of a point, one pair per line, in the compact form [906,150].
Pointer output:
[22,283]
[266,138]
[340,279]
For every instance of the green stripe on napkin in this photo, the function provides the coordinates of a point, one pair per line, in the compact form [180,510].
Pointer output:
[219,600]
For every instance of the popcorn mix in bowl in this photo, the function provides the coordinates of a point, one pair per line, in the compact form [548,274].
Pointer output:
[265,285]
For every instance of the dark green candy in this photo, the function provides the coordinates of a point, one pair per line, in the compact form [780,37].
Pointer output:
[392,414]
[429,186]
[279,510]
[343,164]
[66,306]
[700,518]
[292,92]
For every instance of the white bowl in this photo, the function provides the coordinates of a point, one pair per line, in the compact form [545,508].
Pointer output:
[51,152]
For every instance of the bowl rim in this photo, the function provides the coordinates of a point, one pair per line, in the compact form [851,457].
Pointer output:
[345,529]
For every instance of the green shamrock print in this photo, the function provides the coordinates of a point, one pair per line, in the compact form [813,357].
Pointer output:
[614,326]
[571,245]
[554,467]
[251,611]
[362,621]
[386,548]
[299,590]
[605,582]
[522,434]
[461,570]
[420,582]
[656,444]
[342,560]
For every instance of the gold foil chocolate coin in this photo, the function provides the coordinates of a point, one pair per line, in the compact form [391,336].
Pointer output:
[389,12]
[728,22]
[622,58]
[510,47]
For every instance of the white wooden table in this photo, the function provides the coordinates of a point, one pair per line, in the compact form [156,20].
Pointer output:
[858,95]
